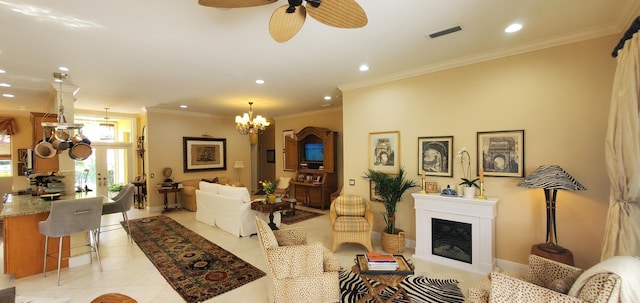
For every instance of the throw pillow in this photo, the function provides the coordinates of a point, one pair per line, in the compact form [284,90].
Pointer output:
[214,180]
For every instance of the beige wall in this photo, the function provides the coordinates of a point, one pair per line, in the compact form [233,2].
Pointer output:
[558,96]
[165,131]
[330,118]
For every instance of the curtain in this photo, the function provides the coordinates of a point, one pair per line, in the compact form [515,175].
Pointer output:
[622,156]
[8,125]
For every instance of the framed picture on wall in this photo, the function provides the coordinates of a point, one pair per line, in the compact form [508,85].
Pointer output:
[271,156]
[501,153]
[384,152]
[435,156]
[201,154]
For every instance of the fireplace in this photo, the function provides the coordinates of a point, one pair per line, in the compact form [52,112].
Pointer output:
[456,232]
[451,239]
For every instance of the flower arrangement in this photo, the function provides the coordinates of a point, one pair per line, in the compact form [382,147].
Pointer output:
[466,174]
[268,187]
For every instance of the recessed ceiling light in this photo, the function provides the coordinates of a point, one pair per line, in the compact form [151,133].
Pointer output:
[183,106]
[5,85]
[2,71]
[512,28]
[364,68]
[8,95]
[327,98]
[63,69]
[259,81]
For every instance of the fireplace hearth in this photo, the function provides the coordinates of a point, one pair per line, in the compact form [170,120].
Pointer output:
[451,239]
[456,232]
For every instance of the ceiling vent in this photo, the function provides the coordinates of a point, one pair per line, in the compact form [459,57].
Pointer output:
[445,32]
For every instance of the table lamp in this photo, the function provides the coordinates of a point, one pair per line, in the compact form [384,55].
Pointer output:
[238,164]
[551,178]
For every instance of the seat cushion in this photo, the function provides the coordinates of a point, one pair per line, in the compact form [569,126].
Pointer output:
[351,224]
[350,205]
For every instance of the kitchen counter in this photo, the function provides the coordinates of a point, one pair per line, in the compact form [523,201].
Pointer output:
[23,243]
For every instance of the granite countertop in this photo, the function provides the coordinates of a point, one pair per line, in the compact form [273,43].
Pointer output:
[21,205]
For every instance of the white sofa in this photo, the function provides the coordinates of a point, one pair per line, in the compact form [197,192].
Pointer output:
[228,208]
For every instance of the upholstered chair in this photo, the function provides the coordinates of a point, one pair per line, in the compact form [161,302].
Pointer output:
[121,204]
[351,221]
[282,187]
[298,271]
[69,217]
[551,281]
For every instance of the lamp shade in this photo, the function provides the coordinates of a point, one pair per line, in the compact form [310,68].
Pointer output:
[238,164]
[551,177]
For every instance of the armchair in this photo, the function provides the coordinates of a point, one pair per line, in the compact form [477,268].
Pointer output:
[351,221]
[550,281]
[282,187]
[298,272]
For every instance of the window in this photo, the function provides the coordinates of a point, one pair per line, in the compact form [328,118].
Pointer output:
[5,155]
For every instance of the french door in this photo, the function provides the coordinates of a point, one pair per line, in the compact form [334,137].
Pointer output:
[110,165]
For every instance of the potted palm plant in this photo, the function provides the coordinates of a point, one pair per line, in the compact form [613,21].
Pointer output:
[391,188]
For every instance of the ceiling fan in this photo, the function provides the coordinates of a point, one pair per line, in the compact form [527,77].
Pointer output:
[287,20]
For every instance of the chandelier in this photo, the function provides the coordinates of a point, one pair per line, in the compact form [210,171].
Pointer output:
[247,124]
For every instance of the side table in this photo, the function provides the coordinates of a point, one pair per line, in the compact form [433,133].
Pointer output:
[565,257]
[385,281]
[270,208]
[166,191]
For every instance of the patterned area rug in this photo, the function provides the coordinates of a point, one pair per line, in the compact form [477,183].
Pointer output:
[419,288]
[196,268]
[300,216]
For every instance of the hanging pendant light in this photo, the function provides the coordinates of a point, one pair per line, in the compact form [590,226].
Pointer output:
[62,120]
[107,128]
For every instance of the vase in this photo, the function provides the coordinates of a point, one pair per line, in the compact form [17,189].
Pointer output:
[460,191]
[393,243]
[470,192]
[271,198]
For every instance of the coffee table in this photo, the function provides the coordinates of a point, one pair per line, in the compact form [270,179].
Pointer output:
[389,278]
[270,208]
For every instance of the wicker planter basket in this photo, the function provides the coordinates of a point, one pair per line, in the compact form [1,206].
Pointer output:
[392,243]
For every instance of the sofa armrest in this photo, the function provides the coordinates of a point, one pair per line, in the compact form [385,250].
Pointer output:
[508,289]
[291,236]
[295,261]
[543,272]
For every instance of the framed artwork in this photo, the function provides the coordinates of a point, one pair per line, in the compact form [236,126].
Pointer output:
[271,156]
[373,194]
[501,153]
[384,152]
[204,154]
[435,156]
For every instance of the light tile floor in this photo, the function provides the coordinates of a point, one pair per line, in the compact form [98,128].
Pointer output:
[127,270]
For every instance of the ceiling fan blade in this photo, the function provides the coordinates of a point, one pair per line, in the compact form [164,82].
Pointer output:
[283,26]
[234,3]
[339,13]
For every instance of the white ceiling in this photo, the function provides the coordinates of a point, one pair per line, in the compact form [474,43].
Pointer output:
[127,55]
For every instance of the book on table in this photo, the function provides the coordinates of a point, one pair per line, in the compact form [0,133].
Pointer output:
[381,261]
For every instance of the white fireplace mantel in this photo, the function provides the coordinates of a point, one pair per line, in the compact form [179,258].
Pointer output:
[480,214]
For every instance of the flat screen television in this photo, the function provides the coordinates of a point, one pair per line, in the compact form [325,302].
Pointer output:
[314,152]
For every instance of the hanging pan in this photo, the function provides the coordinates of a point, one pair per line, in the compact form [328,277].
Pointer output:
[80,151]
[44,149]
